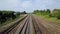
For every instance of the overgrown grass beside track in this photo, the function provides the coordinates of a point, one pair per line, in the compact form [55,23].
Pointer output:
[48,15]
[7,16]
[50,19]
[9,21]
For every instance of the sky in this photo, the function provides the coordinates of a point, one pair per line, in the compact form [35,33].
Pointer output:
[29,5]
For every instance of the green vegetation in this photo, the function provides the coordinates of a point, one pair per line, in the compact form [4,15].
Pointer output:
[51,16]
[56,13]
[9,16]
[9,21]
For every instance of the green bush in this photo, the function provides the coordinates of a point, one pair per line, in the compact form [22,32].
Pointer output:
[5,15]
[56,12]
[50,15]
[58,16]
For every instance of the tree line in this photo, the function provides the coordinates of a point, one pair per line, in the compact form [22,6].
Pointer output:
[5,15]
[53,13]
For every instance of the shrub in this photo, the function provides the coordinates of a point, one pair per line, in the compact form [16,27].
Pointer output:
[58,16]
[50,15]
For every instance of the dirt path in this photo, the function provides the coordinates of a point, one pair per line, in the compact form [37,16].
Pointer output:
[52,28]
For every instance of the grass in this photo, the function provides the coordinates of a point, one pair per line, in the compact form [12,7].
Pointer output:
[9,21]
[50,19]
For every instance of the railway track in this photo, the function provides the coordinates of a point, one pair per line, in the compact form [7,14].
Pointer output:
[27,30]
[23,27]
[26,27]
[12,27]
[36,27]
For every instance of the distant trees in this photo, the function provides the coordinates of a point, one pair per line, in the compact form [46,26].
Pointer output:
[42,12]
[36,11]
[17,13]
[48,11]
[4,15]
[54,13]
[24,12]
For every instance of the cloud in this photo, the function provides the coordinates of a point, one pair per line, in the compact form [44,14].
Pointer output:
[9,4]
[43,4]
[12,2]
[26,4]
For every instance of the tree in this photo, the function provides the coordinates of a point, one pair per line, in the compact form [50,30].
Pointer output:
[17,13]
[4,15]
[48,11]
[24,12]
[56,12]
